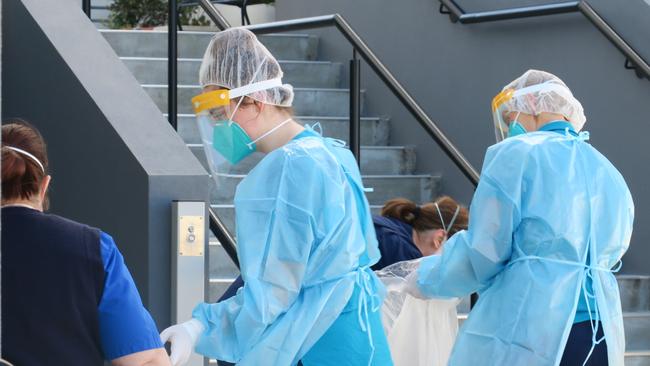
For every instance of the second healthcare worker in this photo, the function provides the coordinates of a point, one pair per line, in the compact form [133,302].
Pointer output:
[549,222]
[304,230]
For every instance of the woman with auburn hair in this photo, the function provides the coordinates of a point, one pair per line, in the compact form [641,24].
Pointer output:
[67,296]
[406,230]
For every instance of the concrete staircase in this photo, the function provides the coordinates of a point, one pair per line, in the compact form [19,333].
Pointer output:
[321,96]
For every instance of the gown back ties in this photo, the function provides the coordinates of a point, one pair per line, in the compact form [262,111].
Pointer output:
[368,299]
[588,271]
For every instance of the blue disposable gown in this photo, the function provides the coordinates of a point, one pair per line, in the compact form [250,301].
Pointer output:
[544,200]
[305,240]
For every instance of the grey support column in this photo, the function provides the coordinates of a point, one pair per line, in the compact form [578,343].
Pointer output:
[189,262]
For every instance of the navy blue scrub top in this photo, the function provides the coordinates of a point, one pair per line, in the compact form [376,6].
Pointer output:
[395,239]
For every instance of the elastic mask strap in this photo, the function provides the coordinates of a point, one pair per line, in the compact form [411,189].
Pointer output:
[32,157]
[316,127]
[255,86]
[442,220]
[250,88]
[230,121]
[453,219]
[270,131]
[514,120]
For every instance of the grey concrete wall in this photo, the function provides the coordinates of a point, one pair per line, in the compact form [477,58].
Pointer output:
[454,70]
[115,161]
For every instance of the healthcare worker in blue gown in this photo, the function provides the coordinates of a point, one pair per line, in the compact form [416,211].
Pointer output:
[549,222]
[304,230]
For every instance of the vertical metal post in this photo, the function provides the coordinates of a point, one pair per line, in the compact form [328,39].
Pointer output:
[189,262]
[355,107]
[172,55]
[85,5]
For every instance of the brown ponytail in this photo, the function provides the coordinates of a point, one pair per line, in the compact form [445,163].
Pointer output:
[21,175]
[426,217]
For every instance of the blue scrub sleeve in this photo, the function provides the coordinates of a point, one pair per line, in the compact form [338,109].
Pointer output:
[125,326]
[274,253]
[472,258]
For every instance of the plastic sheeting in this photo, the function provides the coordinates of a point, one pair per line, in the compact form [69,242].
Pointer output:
[419,332]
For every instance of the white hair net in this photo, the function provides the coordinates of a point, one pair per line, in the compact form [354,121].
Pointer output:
[236,58]
[552,100]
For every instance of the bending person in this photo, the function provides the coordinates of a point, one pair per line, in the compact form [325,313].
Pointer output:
[67,296]
[419,332]
[304,229]
[549,222]
[407,231]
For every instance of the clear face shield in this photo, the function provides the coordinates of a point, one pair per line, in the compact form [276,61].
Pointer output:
[228,148]
[526,100]
[501,127]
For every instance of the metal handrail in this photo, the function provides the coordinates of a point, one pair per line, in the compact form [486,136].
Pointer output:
[383,73]
[172,64]
[636,62]
[214,14]
[223,235]
[85,6]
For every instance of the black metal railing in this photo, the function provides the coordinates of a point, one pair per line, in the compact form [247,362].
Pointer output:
[172,64]
[85,6]
[362,50]
[633,59]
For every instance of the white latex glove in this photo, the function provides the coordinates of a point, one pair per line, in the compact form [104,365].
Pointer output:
[183,338]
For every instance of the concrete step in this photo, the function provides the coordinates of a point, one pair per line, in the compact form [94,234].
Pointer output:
[227,214]
[635,293]
[637,331]
[221,266]
[150,43]
[313,74]
[637,358]
[418,188]
[374,130]
[307,101]
[375,160]
[217,286]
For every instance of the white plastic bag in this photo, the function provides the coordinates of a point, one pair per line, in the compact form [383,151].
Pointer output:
[419,332]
